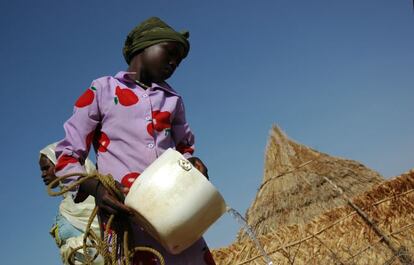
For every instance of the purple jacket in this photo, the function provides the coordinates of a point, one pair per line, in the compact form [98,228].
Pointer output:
[128,126]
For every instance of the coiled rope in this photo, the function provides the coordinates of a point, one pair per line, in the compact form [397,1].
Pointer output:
[112,250]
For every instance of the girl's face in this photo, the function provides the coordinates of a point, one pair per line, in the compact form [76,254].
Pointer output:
[159,61]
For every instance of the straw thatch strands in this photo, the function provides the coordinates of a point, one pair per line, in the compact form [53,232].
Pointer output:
[295,226]
[341,235]
[293,189]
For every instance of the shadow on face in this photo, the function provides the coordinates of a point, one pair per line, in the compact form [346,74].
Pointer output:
[158,62]
[47,169]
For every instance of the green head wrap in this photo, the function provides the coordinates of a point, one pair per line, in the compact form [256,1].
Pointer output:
[152,31]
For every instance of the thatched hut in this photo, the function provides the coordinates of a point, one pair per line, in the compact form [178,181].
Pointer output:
[316,209]
[293,190]
[383,234]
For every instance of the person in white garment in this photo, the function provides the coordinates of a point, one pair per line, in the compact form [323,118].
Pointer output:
[72,218]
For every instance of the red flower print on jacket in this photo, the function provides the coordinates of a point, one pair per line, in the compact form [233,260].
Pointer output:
[63,161]
[103,141]
[129,179]
[86,98]
[93,138]
[160,122]
[125,96]
[184,148]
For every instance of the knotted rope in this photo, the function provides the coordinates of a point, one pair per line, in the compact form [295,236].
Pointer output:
[112,250]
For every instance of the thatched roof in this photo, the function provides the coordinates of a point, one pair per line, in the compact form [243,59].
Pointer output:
[382,233]
[293,189]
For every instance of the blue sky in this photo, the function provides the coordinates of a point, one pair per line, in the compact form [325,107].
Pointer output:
[334,75]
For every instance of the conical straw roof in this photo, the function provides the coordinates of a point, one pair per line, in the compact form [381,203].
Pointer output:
[293,190]
[380,232]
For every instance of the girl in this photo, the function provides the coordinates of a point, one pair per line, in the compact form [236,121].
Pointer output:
[132,118]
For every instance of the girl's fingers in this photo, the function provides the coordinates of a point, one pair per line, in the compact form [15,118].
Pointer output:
[116,206]
[108,210]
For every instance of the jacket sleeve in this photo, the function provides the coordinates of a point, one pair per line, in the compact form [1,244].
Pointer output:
[73,150]
[183,137]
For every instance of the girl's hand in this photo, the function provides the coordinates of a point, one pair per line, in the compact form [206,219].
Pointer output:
[107,202]
[197,163]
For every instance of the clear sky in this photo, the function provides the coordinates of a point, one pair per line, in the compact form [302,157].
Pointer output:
[334,75]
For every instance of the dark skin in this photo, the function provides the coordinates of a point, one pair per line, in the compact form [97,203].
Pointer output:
[197,163]
[154,64]
[48,170]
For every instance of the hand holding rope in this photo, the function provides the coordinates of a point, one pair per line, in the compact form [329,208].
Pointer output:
[115,252]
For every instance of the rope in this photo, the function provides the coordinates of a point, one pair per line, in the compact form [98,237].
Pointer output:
[354,212]
[114,252]
[288,172]
[403,229]
[406,260]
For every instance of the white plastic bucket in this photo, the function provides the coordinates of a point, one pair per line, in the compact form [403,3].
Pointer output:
[174,202]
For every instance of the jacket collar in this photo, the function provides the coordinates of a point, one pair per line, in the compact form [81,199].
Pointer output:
[125,77]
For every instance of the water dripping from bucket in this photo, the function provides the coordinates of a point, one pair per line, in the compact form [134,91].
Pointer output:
[249,231]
